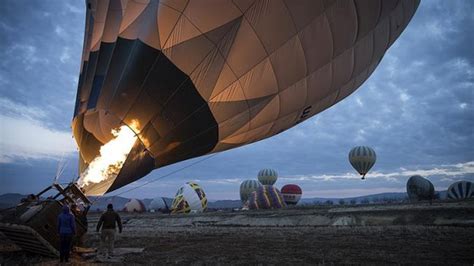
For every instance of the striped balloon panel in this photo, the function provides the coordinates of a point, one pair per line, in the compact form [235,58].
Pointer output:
[267,176]
[246,188]
[266,197]
[362,158]
[461,190]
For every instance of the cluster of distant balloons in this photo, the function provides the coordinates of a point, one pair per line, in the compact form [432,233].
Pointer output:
[261,193]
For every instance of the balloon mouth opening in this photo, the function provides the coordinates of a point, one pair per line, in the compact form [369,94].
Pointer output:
[100,174]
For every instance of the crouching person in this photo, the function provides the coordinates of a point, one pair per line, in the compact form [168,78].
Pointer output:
[108,220]
[66,230]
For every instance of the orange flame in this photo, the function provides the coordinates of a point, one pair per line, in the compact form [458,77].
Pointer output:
[112,156]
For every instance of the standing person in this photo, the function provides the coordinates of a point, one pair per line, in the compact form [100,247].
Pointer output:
[107,221]
[66,230]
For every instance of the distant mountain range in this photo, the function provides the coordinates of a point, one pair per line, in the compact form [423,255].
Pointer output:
[100,203]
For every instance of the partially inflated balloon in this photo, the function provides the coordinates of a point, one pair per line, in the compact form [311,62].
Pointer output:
[247,187]
[199,76]
[291,194]
[189,198]
[362,158]
[134,205]
[420,188]
[266,197]
[461,190]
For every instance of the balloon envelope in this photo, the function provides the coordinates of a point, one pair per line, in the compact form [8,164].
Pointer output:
[461,190]
[266,197]
[291,194]
[267,176]
[158,204]
[189,198]
[362,158]
[134,205]
[247,187]
[419,188]
[208,76]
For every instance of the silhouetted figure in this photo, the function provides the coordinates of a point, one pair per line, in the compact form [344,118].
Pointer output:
[107,237]
[66,230]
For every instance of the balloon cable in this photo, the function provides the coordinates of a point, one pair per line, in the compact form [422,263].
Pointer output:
[171,173]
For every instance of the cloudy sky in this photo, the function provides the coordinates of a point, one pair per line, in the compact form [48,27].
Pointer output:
[416,111]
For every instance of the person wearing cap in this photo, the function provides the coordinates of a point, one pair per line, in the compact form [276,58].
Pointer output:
[66,230]
[108,221]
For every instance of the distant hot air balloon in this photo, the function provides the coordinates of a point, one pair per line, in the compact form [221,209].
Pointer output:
[461,190]
[134,205]
[266,197]
[189,198]
[267,176]
[179,79]
[419,188]
[246,188]
[291,194]
[158,204]
[362,158]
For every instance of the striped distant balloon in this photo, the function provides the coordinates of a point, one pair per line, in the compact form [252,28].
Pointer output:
[247,187]
[266,197]
[291,194]
[267,176]
[362,158]
[461,190]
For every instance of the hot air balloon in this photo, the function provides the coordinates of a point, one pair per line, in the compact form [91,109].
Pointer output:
[291,194]
[267,176]
[362,158]
[134,205]
[158,204]
[266,197]
[182,79]
[246,188]
[189,198]
[419,188]
[461,190]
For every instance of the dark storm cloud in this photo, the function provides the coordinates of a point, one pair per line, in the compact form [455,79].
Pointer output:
[416,110]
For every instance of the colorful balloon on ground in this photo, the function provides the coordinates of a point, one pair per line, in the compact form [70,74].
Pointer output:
[134,205]
[419,188]
[266,197]
[291,194]
[362,158]
[196,77]
[247,187]
[267,176]
[189,198]
[461,190]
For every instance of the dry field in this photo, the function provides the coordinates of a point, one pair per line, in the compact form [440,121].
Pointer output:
[404,234]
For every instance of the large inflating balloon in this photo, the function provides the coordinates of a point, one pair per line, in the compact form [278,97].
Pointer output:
[291,194]
[266,197]
[189,198]
[419,188]
[194,77]
[267,176]
[246,188]
[461,190]
[362,158]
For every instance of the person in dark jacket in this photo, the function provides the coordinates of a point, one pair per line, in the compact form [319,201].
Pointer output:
[66,230]
[107,221]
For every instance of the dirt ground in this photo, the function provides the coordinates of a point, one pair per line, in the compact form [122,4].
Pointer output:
[310,245]
[206,243]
